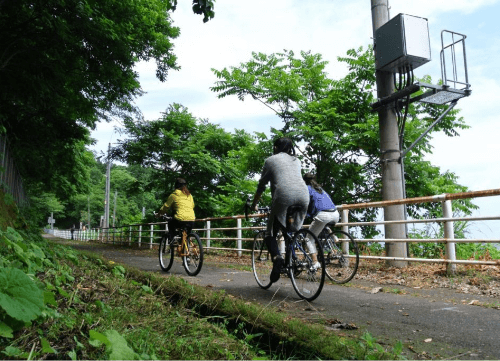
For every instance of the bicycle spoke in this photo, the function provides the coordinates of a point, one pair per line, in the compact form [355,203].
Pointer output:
[165,254]
[192,257]
[261,261]
[307,278]
[341,256]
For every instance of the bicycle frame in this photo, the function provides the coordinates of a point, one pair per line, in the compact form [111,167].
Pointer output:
[182,250]
[299,264]
[190,252]
[291,245]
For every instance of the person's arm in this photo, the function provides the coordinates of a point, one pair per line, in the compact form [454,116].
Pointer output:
[256,199]
[264,178]
[166,207]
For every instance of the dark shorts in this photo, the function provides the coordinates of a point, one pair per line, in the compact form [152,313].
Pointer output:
[175,224]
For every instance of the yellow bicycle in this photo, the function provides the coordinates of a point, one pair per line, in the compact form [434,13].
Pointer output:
[187,245]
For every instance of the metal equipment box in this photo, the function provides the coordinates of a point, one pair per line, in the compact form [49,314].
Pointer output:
[401,42]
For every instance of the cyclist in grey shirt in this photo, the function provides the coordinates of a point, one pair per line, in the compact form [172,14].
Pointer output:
[288,188]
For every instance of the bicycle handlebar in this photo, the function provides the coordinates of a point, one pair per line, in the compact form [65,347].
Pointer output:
[164,216]
[260,210]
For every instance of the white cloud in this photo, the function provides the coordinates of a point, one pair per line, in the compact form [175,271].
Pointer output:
[433,9]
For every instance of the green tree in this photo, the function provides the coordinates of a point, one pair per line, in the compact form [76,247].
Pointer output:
[335,127]
[180,145]
[66,65]
[280,81]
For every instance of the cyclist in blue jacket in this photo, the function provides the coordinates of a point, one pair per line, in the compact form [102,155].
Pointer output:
[321,208]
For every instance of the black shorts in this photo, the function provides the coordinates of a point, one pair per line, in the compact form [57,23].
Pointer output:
[175,224]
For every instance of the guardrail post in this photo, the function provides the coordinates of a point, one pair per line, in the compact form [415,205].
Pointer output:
[345,228]
[238,235]
[140,235]
[208,234]
[449,234]
[130,235]
[151,236]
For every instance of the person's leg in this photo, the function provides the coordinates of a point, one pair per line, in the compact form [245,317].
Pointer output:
[272,245]
[316,226]
[173,225]
[188,225]
[270,239]
[319,222]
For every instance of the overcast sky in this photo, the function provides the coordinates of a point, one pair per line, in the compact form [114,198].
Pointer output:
[331,27]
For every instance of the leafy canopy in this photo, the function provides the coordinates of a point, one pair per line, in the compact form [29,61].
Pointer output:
[66,65]
[179,145]
[335,128]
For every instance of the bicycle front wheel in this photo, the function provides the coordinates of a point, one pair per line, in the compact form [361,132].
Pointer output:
[261,261]
[307,277]
[192,258]
[165,254]
[341,256]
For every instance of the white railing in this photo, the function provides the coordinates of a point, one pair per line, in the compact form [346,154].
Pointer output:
[149,233]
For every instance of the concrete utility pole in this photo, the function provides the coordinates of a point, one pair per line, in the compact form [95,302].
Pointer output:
[389,149]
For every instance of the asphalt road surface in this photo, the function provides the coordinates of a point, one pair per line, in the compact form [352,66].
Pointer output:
[433,323]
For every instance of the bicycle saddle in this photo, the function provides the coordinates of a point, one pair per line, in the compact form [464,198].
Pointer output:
[290,215]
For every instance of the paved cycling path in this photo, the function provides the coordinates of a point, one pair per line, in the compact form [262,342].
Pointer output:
[439,322]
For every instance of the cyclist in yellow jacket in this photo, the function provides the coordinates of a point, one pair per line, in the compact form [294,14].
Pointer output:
[180,205]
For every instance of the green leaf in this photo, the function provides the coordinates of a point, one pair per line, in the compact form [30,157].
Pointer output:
[78,343]
[19,296]
[63,292]
[72,355]
[49,298]
[6,330]
[119,347]
[12,351]
[118,270]
[97,339]
[46,348]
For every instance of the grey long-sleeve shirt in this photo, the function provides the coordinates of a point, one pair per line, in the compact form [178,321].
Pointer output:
[287,188]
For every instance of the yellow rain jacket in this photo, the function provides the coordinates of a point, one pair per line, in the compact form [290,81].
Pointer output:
[180,205]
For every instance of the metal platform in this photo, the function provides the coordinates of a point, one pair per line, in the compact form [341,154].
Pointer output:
[436,94]
[439,94]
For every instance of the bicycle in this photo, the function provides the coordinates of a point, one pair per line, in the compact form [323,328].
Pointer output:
[307,280]
[188,247]
[341,254]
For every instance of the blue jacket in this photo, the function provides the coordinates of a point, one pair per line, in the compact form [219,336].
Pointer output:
[318,202]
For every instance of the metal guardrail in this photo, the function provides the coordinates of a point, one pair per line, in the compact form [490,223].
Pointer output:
[150,233]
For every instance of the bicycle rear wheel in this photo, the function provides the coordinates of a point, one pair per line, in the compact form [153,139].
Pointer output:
[341,256]
[307,280]
[165,254]
[261,261]
[193,261]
